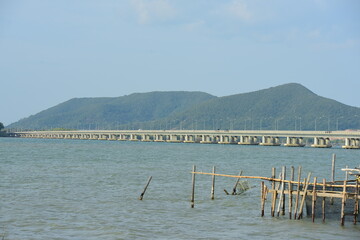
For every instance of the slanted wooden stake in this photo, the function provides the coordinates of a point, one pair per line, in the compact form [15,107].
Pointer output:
[313,202]
[237,182]
[193,188]
[297,193]
[290,190]
[146,186]
[213,184]
[323,201]
[304,196]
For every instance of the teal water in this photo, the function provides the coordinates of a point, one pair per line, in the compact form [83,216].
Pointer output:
[89,189]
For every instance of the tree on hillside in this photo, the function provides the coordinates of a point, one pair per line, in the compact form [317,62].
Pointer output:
[1,126]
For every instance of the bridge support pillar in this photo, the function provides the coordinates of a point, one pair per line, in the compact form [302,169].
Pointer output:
[225,139]
[134,137]
[159,138]
[270,141]
[320,142]
[207,139]
[294,142]
[248,140]
[174,139]
[189,139]
[352,143]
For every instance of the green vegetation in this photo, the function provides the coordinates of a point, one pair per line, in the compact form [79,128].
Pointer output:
[2,133]
[286,107]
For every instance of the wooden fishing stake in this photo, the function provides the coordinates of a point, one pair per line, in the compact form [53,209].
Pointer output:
[297,193]
[343,202]
[290,191]
[313,202]
[262,198]
[356,203]
[304,195]
[237,182]
[213,184]
[323,200]
[193,187]
[146,186]
[283,194]
[333,175]
[273,199]
[281,199]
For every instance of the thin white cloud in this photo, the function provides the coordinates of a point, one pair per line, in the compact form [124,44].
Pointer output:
[239,9]
[152,10]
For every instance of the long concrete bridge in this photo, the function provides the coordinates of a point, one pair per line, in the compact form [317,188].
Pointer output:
[318,139]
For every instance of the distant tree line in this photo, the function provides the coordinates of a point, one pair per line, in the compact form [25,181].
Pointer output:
[2,133]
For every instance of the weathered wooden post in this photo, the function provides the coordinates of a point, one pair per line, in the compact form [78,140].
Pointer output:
[193,187]
[323,200]
[213,184]
[237,182]
[304,195]
[146,186]
[356,203]
[313,202]
[332,175]
[290,191]
[343,202]
[273,200]
[262,198]
[297,193]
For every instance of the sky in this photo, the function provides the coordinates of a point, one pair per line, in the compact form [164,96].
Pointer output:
[55,50]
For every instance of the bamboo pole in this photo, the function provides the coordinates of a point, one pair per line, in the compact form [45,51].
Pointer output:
[304,195]
[333,174]
[146,186]
[237,182]
[313,202]
[193,188]
[290,191]
[323,201]
[268,179]
[213,185]
[281,200]
[297,193]
[356,202]
[262,197]
[273,172]
[343,202]
[283,194]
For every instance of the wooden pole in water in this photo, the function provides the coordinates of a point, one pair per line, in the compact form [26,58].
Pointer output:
[323,201]
[343,202]
[356,203]
[297,193]
[237,182]
[304,195]
[213,185]
[333,175]
[283,194]
[313,202]
[262,198]
[281,199]
[193,187]
[146,186]
[273,199]
[290,191]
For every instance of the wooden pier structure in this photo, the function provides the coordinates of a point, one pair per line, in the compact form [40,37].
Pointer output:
[319,198]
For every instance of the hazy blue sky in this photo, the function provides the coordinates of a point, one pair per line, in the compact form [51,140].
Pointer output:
[55,50]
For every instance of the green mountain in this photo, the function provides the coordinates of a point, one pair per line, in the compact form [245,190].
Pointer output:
[286,107]
[112,113]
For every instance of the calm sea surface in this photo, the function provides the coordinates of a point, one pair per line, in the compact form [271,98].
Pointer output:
[88,189]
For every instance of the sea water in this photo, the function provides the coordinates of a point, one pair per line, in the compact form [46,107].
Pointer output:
[89,189]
